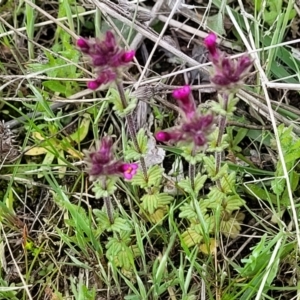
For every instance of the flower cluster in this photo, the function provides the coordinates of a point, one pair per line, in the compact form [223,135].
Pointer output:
[228,73]
[100,162]
[106,57]
[194,127]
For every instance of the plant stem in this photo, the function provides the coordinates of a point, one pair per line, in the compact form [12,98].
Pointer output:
[192,175]
[192,171]
[109,209]
[131,127]
[107,203]
[222,125]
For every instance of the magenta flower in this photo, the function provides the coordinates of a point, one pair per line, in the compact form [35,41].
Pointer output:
[100,162]
[106,57]
[129,170]
[228,73]
[194,128]
[211,45]
[185,100]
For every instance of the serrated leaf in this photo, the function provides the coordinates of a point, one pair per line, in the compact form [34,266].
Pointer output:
[199,182]
[158,216]
[186,185]
[164,199]
[109,190]
[154,175]
[120,224]
[190,237]
[213,245]
[215,197]
[131,154]
[102,218]
[210,165]
[189,156]
[188,210]
[230,228]
[233,202]
[142,141]
[118,105]
[150,203]
[139,180]
[228,182]
[214,145]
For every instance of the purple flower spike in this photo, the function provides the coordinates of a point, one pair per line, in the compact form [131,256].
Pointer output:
[106,57]
[83,45]
[100,162]
[211,44]
[110,41]
[185,100]
[228,73]
[195,130]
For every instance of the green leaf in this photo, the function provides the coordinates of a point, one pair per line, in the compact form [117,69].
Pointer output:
[118,105]
[131,154]
[228,183]
[186,185]
[81,133]
[164,199]
[110,187]
[230,228]
[154,176]
[142,141]
[150,203]
[260,193]
[120,224]
[257,260]
[209,164]
[216,23]
[139,180]
[189,155]
[102,219]
[214,145]
[233,202]
[191,238]
[188,210]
